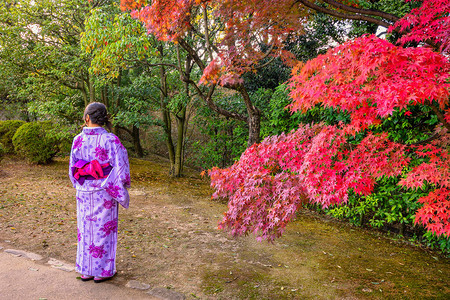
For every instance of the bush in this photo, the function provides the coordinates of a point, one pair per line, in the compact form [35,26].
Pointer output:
[7,130]
[32,142]
[62,135]
[2,151]
[390,208]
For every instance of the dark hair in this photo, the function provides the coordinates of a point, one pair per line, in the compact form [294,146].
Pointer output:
[98,114]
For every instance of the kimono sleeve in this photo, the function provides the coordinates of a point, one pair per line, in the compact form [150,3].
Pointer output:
[77,141]
[118,180]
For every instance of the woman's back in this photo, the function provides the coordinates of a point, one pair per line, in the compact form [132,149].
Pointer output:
[100,173]
[98,144]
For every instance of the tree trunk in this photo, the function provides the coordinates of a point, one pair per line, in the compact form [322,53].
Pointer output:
[117,98]
[401,230]
[181,116]
[181,134]
[169,142]
[105,96]
[254,117]
[91,90]
[167,123]
[181,123]
[137,142]
[254,127]
[113,105]
[84,93]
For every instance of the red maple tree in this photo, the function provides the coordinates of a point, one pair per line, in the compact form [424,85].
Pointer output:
[313,164]
[428,23]
[367,77]
[370,78]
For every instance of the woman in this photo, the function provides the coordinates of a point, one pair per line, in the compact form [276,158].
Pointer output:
[99,171]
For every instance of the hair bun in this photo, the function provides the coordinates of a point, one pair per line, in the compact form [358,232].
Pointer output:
[97,113]
[99,117]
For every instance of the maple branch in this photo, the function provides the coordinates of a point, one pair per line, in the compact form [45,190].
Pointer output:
[370,12]
[335,13]
[201,35]
[268,52]
[207,98]
[212,105]
[192,53]
[439,115]
[248,102]
[208,44]
[427,140]
[266,63]
[382,33]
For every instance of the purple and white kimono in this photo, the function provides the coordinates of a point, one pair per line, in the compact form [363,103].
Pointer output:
[98,199]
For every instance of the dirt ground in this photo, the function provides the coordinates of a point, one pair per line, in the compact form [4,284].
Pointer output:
[169,238]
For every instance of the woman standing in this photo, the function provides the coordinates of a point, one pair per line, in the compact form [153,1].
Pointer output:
[100,172]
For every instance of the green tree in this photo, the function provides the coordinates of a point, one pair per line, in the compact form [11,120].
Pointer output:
[40,44]
[141,75]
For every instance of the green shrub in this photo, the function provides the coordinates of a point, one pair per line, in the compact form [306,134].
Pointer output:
[62,135]
[32,142]
[2,151]
[7,130]
[65,145]
[391,208]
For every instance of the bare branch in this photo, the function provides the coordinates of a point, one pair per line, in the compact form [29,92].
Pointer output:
[427,140]
[370,12]
[439,115]
[338,14]
[266,63]
[211,104]
[193,53]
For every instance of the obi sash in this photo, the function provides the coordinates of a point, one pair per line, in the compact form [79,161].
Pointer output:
[84,170]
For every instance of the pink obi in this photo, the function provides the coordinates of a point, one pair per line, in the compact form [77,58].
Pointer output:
[84,170]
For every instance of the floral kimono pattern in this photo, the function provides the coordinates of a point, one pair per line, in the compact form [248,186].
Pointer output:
[98,199]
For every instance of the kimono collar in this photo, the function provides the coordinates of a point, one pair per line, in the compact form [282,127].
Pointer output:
[94,130]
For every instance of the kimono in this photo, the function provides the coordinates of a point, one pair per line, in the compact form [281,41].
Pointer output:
[98,197]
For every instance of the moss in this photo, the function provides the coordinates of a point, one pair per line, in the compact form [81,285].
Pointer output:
[344,258]
[244,282]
